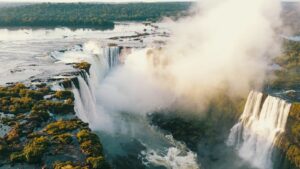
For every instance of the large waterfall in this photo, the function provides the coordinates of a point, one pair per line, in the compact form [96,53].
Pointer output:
[125,134]
[259,125]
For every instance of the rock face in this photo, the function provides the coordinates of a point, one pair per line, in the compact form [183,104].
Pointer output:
[289,142]
[40,130]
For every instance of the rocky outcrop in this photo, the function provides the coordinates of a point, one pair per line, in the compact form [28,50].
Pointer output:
[39,128]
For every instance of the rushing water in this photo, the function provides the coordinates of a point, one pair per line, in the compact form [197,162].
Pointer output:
[26,52]
[121,122]
[259,125]
[127,137]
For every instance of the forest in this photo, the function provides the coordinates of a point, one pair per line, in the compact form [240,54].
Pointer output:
[95,15]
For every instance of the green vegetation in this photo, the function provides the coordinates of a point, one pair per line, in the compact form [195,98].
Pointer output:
[83,66]
[63,94]
[88,15]
[38,130]
[289,142]
[34,150]
[67,165]
[90,145]
[95,162]
[288,76]
[65,138]
[62,126]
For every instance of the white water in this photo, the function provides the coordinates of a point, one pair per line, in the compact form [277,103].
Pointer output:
[259,125]
[112,54]
[175,158]
[25,52]
[119,128]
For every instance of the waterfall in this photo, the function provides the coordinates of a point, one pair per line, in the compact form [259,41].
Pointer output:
[117,128]
[78,105]
[258,127]
[85,105]
[112,54]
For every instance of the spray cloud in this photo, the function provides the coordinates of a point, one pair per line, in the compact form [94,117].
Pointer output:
[226,46]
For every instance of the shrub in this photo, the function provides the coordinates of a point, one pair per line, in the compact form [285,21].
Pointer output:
[61,126]
[41,115]
[95,162]
[55,107]
[63,94]
[13,134]
[91,148]
[293,154]
[83,135]
[66,165]
[295,111]
[65,138]
[89,143]
[17,157]
[83,66]
[34,150]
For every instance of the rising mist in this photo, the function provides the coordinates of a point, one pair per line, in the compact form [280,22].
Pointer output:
[225,46]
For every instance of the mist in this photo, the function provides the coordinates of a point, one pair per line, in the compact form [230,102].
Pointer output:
[225,46]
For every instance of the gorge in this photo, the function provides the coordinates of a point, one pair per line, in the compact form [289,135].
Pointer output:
[201,90]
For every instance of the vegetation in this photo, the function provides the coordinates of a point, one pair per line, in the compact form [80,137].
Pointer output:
[289,142]
[67,165]
[38,134]
[288,76]
[62,126]
[83,66]
[34,150]
[95,162]
[87,15]
[210,129]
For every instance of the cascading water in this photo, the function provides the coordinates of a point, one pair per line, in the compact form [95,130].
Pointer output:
[259,125]
[112,54]
[127,137]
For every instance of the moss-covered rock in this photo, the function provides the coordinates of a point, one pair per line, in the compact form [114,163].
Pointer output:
[83,66]
[65,138]
[89,143]
[41,115]
[35,135]
[56,107]
[62,126]
[13,134]
[67,165]
[95,162]
[64,94]
[35,149]
[17,157]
